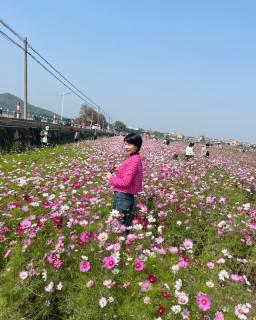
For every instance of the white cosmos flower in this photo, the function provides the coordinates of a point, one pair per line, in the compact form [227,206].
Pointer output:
[178,284]
[176,309]
[147,300]
[103,302]
[210,284]
[59,286]
[223,274]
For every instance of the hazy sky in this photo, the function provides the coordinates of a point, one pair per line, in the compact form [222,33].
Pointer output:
[188,66]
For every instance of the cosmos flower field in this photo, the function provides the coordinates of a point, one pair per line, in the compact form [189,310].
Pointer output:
[190,253]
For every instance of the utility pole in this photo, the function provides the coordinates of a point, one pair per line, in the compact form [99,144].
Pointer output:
[25,77]
[98,115]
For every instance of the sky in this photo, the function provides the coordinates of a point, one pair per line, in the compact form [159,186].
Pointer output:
[184,66]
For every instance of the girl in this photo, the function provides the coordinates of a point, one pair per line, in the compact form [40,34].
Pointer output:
[128,179]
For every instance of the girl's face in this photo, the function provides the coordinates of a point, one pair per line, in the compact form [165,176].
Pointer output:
[129,148]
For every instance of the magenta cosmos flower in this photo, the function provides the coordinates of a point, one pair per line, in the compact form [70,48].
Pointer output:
[85,266]
[152,278]
[203,301]
[108,263]
[85,236]
[139,265]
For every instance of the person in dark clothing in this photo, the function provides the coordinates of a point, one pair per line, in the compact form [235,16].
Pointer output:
[77,136]
[205,151]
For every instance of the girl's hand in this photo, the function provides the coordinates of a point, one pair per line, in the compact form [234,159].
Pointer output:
[108,175]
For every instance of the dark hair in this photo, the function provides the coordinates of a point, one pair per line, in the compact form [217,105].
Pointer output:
[207,144]
[135,139]
[191,144]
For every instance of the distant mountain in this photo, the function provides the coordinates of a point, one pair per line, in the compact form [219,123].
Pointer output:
[9,101]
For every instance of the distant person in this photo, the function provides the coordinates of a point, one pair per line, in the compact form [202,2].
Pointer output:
[127,181]
[190,151]
[95,135]
[167,141]
[44,134]
[77,136]
[205,151]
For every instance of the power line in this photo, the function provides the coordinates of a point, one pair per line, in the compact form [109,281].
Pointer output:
[22,39]
[18,45]
[10,29]
[62,76]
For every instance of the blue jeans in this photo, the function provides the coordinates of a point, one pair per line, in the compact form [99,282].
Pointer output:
[123,202]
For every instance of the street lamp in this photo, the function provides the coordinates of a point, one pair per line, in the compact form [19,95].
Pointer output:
[62,103]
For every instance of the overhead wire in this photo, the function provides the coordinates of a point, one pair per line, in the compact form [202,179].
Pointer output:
[18,45]
[91,102]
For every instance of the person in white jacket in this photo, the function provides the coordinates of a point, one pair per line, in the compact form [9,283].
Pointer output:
[44,134]
[190,151]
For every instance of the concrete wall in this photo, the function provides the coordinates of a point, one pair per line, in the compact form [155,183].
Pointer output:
[21,135]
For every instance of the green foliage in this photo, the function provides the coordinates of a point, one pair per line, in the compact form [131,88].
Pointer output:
[119,126]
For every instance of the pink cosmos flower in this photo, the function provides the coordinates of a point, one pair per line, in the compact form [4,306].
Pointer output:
[23,275]
[237,278]
[4,230]
[85,236]
[139,265]
[210,265]
[50,287]
[108,283]
[109,263]
[187,244]
[85,266]
[159,250]
[126,285]
[162,214]
[57,263]
[142,207]
[173,250]
[219,316]
[210,200]
[89,283]
[25,208]
[203,301]
[130,238]
[183,263]
[145,286]
[159,240]
[25,224]
[32,233]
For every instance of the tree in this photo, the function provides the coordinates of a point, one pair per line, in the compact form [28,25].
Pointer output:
[119,126]
[91,116]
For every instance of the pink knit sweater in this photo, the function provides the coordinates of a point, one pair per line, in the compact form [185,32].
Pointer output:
[129,174]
